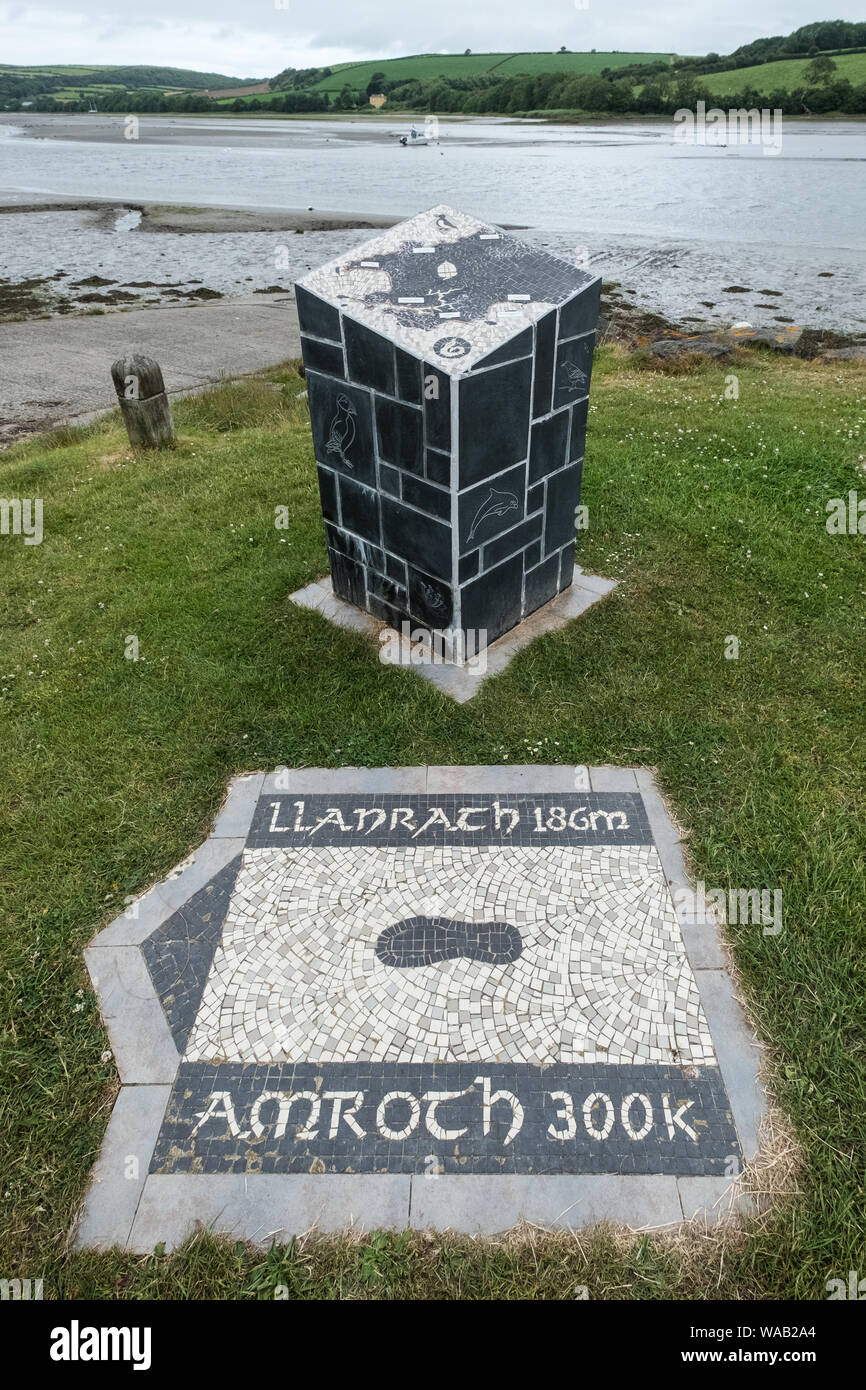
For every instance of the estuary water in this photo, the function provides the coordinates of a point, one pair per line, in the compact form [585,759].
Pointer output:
[700,233]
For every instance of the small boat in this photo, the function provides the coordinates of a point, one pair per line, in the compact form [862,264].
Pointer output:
[415,137]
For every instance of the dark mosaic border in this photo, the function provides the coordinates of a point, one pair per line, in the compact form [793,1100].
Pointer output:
[278,830]
[226,1143]
[179,953]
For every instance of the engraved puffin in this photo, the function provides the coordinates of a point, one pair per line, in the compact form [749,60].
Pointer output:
[342,431]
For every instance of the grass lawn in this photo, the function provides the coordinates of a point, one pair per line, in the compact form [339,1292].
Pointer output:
[709,511]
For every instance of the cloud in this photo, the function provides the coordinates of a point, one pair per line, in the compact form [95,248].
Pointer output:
[205,34]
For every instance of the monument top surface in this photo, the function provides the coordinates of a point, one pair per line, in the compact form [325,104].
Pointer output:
[447,287]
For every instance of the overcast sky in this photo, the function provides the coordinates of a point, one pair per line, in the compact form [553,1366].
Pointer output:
[256,38]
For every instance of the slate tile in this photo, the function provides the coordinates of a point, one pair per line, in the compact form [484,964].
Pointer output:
[389,479]
[492,601]
[491,508]
[362,551]
[369,357]
[347,578]
[580,314]
[494,421]
[511,542]
[359,508]
[317,317]
[430,601]
[437,408]
[395,568]
[322,357]
[469,565]
[561,501]
[545,347]
[548,446]
[342,425]
[399,434]
[518,346]
[566,567]
[408,377]
[577,437]
[328,495]
[573,371]
[408,533]
[428,498]
[438,467]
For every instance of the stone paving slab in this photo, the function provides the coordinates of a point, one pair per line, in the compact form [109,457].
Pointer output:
[461,682]
[65,361]
[437,996]
[712,1201]
[479,1206]
[262,1209]
[121,1171]
[136,1024]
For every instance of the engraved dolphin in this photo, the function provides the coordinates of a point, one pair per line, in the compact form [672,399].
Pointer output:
[495,504]
[427,940]
[342,430]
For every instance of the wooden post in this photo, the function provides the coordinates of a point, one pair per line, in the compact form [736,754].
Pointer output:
[141,396]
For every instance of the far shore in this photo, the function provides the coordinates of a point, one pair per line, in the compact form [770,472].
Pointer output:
[91,126]
[181,217]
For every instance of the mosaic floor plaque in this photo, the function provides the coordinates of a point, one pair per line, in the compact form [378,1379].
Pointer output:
[414,982]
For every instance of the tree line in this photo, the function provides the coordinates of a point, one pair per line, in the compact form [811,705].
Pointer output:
[821,91]
[653,88]
[23,86]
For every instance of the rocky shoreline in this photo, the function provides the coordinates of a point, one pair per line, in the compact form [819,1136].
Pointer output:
[637,329]
[620,322]
[623,321]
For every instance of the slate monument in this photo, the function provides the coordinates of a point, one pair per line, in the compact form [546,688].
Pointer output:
[448,368]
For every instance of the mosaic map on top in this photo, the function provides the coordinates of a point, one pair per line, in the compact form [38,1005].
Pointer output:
[447,287]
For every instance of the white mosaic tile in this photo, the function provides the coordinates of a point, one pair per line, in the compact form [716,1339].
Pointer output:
[602,975]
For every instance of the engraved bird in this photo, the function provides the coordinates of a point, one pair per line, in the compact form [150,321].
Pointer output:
[573,378]
[495,504]
[342,431]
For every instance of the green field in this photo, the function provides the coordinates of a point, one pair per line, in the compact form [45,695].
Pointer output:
[127,75]
[710,513]
[53,70]
[427,66]
[264,97]
[787,74]
[90,89]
